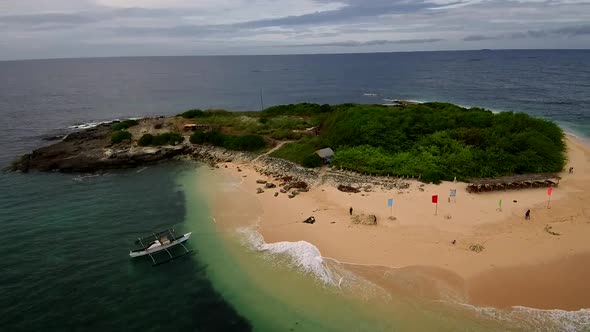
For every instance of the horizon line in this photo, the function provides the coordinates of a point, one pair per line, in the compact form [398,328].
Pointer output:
[295,54]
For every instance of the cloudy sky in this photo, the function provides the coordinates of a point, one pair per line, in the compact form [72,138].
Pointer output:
[79,28]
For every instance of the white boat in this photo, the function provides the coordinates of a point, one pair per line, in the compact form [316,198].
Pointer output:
[161,241]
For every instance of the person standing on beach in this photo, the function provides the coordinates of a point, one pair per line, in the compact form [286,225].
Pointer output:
[350,210]
[571,170]
[527,215]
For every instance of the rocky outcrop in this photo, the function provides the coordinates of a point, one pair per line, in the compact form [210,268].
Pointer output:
[90,150]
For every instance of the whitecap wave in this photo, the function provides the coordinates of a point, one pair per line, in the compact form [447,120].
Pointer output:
[88,125]
[304,256]
[537,319]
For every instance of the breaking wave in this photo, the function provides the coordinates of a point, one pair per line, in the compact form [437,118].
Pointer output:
[537,319]
[304,256]
[88,125]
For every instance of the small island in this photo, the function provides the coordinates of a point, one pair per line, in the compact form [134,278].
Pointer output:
[386,188]
[430,141]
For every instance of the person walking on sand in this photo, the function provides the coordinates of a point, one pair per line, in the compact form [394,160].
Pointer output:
[571,170]
[350,211]
[527,215]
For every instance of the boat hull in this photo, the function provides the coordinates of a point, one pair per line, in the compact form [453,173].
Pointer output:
[160,248]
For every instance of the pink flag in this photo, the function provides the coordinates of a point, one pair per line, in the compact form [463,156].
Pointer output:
[549,191]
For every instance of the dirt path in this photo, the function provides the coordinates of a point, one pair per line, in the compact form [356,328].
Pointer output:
[273,149]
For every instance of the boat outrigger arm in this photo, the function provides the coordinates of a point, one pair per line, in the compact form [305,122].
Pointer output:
[161,241]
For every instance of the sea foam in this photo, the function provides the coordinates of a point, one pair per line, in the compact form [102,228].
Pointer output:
[537,319]
[304,256]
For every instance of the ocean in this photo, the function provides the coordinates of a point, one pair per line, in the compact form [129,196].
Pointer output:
[65,237]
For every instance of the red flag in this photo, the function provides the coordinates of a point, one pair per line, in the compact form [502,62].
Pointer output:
[435,199]
[549,191]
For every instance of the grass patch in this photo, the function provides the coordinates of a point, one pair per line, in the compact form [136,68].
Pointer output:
[120,136]
[124,125]
[161,139]
[297,152]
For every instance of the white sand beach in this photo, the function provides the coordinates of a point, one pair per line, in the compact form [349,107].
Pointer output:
[521,264]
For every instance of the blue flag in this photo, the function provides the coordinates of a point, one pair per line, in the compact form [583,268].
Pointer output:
[390,202]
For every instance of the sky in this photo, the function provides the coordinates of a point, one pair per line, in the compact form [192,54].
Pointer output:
[32,29]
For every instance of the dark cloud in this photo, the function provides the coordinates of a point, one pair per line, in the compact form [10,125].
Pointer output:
[369,43]
[479,37]
[572,31]
[354,9]
[579,30]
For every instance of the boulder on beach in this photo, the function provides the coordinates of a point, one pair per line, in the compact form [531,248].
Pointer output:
[261,181]
[259,190]
[309,220]
[269,185]
[364,219]
[348,189]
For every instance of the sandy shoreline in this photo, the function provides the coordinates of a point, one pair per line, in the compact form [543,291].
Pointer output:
[521,264]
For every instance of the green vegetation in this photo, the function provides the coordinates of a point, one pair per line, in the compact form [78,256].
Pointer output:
[119,136]
[298,151]
[247,142]
[432,141]
[124,125]
[196,113]
[312,160]
[161,139]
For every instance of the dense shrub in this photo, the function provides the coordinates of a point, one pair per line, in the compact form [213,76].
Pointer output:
[297,109]
[196,113]
[312,160]
[124,125]
[285,135]
[190,114]
[161,139]
[439,141]
[119,136]
[231,142]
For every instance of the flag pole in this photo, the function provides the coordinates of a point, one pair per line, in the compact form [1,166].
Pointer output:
[436,209]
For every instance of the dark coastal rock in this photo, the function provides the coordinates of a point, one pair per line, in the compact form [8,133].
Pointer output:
[309,220]
[276,194]
[91,150]
[270,185]
[261,181]
[259,190]
[348,189]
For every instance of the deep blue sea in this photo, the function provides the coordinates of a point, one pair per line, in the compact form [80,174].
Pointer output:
[65,238]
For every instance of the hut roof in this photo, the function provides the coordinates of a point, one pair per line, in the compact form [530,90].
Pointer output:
[325,153]
[516,179]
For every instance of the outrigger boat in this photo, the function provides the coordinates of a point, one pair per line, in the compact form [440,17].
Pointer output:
[161,241]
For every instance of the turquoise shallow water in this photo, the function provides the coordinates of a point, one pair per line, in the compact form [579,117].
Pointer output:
[65,263]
